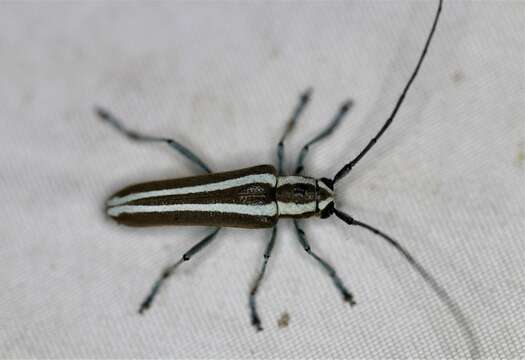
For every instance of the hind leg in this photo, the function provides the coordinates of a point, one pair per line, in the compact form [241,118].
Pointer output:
[169,270]
[108,117]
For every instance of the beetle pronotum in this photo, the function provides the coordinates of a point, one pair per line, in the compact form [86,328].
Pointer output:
[254,197]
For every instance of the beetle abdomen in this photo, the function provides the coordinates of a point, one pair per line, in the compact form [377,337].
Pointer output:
[242,198]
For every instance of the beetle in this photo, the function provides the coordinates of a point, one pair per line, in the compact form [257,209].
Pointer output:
[254,197]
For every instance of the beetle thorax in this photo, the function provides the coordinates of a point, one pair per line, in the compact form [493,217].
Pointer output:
[301,197]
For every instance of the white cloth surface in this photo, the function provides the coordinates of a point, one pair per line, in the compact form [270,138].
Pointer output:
[446,180]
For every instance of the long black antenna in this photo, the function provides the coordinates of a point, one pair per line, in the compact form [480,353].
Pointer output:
[346,169]
[415,264]
[451,305]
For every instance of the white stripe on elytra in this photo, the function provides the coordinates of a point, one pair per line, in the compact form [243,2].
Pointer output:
[221,185]
[255,210]
[289,208]
[284,180]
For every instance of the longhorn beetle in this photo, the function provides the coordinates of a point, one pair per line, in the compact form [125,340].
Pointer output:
[254,197]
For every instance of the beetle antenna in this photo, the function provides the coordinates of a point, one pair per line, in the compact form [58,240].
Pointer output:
[442,294]
[346,169]
[415,264]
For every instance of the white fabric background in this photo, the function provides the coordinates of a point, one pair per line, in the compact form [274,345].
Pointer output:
[447,180]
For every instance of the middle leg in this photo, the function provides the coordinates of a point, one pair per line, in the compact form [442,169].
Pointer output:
[256,321]
[303,100]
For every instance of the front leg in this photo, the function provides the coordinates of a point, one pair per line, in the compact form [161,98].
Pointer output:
[347,296]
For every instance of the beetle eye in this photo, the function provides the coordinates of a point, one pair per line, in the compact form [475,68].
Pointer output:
[328,210]
[328,182]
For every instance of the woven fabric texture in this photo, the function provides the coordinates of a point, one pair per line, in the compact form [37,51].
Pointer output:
[447,180]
